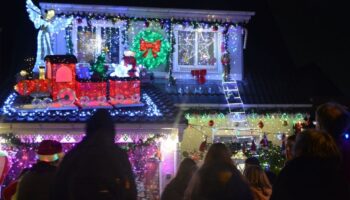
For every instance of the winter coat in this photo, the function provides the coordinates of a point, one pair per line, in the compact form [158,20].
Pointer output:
[260,194]
[173,191]
[271,176]
[95,169]
[218,182]
[37,182]
[310,178]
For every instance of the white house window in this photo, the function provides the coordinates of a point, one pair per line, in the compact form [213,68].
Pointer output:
[187,47]
[86,43]
[91,40]
[110,39]
[196,49]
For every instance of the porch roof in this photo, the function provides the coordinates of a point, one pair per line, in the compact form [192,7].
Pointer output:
[149,12]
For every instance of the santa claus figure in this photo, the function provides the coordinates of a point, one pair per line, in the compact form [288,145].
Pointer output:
[127,67]
[129,59]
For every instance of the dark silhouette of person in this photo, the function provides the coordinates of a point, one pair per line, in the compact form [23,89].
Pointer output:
[175,190]
[314,172]
[96,168]
[37,181]
[335,120]
[218,178]
[289,147]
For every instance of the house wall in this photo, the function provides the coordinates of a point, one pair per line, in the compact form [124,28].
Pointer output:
[274,125]
[234,48]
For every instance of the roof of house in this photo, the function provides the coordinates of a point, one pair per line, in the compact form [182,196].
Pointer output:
[157,108]
[151,12]
[281,88]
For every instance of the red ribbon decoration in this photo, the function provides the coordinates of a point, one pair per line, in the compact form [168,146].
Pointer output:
[154,46]
[200,75]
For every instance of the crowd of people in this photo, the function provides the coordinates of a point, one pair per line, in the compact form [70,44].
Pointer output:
[317,167]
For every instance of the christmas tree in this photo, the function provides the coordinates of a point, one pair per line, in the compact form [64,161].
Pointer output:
[98,69]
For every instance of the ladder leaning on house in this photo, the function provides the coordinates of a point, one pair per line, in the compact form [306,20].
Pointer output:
[238,124]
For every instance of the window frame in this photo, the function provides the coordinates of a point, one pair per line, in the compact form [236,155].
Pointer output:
[99,24]
[217,51]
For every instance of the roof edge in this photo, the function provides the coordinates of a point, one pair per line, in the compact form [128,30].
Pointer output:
[150,12]
[184,106]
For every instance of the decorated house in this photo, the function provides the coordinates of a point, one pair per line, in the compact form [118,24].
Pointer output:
[127,60]
[172,79]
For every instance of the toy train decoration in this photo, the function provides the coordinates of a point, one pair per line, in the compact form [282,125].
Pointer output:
[61,84]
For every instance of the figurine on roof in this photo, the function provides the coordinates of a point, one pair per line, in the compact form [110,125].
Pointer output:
[48,24]
[127,67]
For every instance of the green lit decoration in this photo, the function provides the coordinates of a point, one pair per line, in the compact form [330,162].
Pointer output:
[271,157]
[151,49]
[98,68]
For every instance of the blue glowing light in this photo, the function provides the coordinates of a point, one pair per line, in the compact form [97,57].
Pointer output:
[347,136]
[13,111]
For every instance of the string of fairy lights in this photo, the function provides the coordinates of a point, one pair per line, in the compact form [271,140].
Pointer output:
[128,27]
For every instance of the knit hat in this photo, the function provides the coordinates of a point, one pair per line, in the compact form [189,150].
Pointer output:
[48,150]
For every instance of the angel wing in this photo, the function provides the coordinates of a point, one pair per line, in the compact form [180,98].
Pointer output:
[34,14]
[59,23]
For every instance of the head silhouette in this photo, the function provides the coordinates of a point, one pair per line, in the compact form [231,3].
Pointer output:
[186,169]
[218,153]
[333,118]
[100,125]
[315,143]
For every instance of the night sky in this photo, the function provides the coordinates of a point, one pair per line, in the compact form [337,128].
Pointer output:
[302,37]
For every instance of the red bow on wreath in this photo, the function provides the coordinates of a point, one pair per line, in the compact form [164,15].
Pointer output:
[153,46]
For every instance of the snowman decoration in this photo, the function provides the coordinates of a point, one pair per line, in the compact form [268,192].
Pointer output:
[127,67]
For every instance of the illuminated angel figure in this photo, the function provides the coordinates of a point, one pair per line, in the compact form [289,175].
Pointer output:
[47,24]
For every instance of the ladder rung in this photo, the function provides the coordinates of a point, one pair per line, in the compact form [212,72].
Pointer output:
[235,103]
[229,82]
[230,90]
[237,113]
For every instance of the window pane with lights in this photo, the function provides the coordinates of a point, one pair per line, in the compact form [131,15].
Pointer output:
[86,43]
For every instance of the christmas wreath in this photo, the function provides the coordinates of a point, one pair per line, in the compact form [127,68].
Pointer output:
[151,49]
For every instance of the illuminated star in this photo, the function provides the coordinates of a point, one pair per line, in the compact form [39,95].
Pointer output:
[105,49]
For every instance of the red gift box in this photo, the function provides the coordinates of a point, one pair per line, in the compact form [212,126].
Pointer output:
[92,90]
[124,91]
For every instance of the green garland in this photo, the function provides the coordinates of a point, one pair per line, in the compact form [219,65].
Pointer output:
[271,156]
[146,58]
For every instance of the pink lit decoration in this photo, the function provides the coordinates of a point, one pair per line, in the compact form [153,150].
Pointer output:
[64,74]
[144,155]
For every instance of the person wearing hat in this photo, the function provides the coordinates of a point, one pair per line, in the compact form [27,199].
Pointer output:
[37,182]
